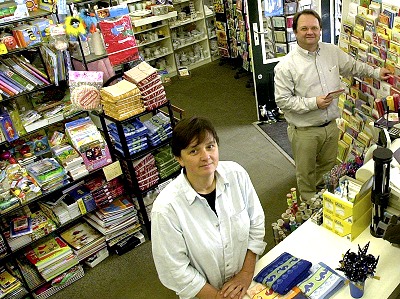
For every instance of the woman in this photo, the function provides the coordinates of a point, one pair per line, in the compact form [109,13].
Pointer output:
[207,225]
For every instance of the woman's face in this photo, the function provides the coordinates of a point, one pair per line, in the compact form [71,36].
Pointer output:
[200,159]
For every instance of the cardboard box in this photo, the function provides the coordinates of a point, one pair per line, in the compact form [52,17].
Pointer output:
[345,229]
[346,210]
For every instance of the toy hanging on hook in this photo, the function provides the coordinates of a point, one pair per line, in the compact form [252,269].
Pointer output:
[89,20]
[74,28]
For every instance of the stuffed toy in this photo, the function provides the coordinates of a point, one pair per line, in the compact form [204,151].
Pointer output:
[89,20]
[74,28]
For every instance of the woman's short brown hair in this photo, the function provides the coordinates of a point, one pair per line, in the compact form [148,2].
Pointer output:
[188,129]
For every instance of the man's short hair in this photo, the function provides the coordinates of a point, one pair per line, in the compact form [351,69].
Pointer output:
[306,12]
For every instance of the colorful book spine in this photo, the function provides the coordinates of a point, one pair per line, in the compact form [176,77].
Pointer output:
[15,85]
[9,62]
[24,83]
[42,76]
[8,85]
[29,68]
[5,89]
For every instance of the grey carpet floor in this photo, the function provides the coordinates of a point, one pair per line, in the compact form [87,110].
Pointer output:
[276,133]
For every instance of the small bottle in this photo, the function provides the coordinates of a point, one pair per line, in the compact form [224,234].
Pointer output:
[289,199]
[294,193]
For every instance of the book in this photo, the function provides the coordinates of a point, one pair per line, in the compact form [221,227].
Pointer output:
[116,207]
[51,63]
[47,251]
[21,71]
[80,235]
[31,69]
[8,282]
[20,226]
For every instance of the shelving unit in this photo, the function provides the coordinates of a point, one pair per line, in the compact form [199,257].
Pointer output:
[11,254]
[154,42]
[212,34]
[127,159]
[189,34]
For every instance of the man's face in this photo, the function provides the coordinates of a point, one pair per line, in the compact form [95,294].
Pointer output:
[308,32]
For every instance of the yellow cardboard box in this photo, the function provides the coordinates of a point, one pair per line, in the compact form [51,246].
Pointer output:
[351,231]
[343,208]
[345,229]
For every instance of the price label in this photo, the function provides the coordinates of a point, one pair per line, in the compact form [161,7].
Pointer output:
[112,170]
[3,49]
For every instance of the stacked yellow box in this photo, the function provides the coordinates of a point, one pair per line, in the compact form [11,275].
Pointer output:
[344,217]
[121,100]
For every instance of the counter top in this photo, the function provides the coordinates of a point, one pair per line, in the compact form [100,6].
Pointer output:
[317,244]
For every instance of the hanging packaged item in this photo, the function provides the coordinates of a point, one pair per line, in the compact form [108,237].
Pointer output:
[119,39]
[85,89]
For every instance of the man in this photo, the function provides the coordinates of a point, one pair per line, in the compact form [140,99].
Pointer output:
[303,79]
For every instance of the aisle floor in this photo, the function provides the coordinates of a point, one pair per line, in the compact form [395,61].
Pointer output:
[213,92]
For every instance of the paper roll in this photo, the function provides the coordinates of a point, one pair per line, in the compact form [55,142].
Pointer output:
[97,43]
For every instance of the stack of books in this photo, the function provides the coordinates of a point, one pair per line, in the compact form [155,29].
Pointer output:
[114,219]
[87,139]
[40,225]
[71,160]
[8,282]
[20,226]
[48,173]
[166,162]
[146,171]
[8,201]
[159,128]
[51,256]
[55,211]
[82,196]
[121,100]
[84,240]
[104,192]
[135,135]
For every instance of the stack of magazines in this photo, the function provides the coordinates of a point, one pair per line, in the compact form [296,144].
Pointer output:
[51,256]
[84,240]
[114,219]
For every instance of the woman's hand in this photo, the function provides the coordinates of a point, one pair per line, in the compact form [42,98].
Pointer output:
[237,286]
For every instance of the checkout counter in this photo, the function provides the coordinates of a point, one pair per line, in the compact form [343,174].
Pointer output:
[317,244]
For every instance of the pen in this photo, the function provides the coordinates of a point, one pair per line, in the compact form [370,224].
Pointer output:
[332,68]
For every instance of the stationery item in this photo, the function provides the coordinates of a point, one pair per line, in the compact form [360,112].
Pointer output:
[283,273]
[323,282]
[85,89]
[119,40]
[335,94]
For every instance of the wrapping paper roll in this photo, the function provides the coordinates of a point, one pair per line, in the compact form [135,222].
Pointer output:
[97,43]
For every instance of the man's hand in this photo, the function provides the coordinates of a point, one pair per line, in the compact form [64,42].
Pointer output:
[384,73]
[323,102]
[237,286]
